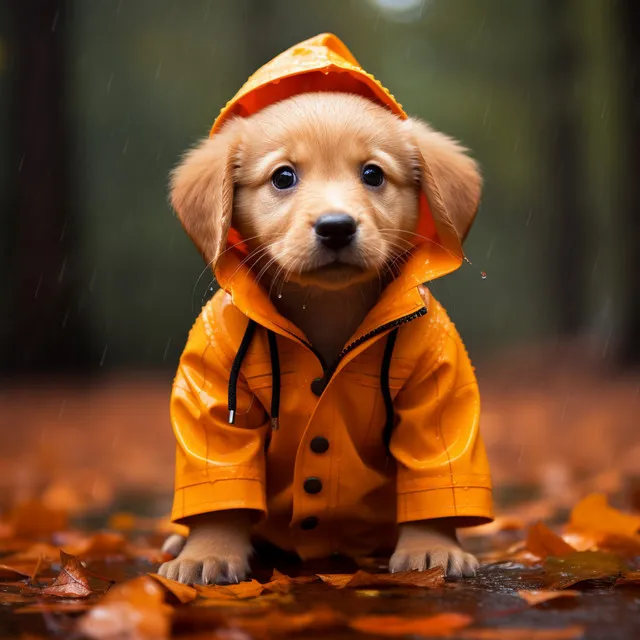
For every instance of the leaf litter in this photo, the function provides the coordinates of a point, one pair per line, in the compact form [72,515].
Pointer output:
[597,547]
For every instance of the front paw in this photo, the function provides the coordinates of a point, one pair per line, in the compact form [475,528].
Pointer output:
[455,562]
[208,570]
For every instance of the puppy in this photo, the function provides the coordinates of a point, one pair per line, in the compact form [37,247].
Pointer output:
[320,197]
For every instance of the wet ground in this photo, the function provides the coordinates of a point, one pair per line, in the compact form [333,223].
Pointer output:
[491,599]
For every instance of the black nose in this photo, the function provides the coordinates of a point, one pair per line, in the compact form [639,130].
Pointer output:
[335,230]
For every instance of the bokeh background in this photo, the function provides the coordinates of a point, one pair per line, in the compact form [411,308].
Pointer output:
[99,284]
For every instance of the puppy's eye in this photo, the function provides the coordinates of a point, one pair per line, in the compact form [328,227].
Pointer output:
[372,175]
[284,178]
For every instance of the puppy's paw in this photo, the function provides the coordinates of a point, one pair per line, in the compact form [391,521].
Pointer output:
[207,570]
[174,544]
[454,561]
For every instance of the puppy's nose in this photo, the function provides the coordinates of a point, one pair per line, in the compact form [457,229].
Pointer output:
[335,230]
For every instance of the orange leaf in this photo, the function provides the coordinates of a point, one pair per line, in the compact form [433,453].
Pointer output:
[32,518]
[183,592]
[132,609]
[588,540]
[279,583]
[34,552]
[18,569]
[580,566]
[630,577]
[594,513]
[240,591]
[11,597]
[431,578]
[102,544]
[538,596]
[442,624]
[54,607]
[71,581]
[280,622]
[543,542]
[515,633]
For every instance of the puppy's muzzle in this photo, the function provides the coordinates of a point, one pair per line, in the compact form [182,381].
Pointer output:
[335,230]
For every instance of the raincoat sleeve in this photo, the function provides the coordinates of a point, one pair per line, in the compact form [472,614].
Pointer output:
[442,466]
[218,466]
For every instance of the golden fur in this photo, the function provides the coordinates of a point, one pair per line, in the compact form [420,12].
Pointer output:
[327,138]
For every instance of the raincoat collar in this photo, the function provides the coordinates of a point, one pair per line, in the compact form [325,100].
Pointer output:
[324,63]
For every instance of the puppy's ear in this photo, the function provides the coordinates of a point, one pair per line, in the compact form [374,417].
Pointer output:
[202,191]
[456,175]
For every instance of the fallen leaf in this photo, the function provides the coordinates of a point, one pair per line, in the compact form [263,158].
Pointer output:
[32,518]
[54,607]
[442,624]
[30,561]
[35,551]
[543,542]
[11,597]
[594,513]
[516,633]
[585,540]
[183,592]
[71,581]
[102,544]
[431,578]
[566,571]
[233,603]
[279,583]
[630,577]
[240,591]
[134,610]
[538,596]
[24,568]
[37,569]
[107,545]
[280,622]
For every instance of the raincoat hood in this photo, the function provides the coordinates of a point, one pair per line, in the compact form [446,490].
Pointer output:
[324,63]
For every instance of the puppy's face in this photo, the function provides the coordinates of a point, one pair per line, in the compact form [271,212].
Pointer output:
[327,189]
[323,187]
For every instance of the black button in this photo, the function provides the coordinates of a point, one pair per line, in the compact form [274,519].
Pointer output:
[319,444]
[312,485]
[317,386]
[309,523]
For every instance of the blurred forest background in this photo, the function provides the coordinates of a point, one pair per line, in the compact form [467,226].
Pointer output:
[98,99]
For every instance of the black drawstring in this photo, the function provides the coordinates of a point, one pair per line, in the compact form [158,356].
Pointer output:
[235,369]
[275,380]
[275,374]
[386,391]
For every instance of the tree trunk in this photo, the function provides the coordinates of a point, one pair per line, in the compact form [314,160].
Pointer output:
[629,29]
[46,331]
[568,228]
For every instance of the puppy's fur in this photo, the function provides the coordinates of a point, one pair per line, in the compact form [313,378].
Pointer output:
[226,181]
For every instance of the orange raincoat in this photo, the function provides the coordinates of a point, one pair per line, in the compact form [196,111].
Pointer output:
[324,480]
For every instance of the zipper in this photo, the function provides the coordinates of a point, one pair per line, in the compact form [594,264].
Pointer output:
[381,329]
[328,373]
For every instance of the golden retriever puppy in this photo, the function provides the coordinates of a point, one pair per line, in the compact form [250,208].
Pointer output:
[324,189]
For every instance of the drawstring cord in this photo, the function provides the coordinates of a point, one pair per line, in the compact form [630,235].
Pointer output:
[235,369]
[275,374]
